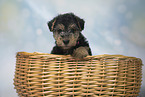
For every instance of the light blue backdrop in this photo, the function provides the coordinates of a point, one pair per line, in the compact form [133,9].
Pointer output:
[112,27]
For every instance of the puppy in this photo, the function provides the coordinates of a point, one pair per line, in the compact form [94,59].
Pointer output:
[69,40]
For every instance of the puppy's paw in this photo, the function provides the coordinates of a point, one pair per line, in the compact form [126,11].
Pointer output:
[80,52]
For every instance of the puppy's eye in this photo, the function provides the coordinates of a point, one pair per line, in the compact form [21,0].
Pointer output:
[59,30]
[73,30]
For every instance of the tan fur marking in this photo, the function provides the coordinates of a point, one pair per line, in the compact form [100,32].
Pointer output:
[73,26]
[60,26]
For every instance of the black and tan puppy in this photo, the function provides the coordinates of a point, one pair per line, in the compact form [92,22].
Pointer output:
[66,30]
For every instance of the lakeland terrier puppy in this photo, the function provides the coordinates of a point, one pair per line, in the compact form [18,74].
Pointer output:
[69,40]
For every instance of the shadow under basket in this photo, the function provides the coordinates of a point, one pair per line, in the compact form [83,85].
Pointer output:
[48,75]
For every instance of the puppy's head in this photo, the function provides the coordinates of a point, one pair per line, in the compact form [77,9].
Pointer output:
[66,29]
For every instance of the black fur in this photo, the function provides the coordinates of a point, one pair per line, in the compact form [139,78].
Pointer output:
[66,20]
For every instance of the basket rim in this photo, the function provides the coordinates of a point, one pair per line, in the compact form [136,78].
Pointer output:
[114,56]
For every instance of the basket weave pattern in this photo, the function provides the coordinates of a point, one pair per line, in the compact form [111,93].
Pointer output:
[46,75]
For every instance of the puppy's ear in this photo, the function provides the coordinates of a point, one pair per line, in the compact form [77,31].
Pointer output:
[51,24]
[80,23]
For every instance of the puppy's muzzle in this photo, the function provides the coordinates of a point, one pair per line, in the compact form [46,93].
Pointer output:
[65,36]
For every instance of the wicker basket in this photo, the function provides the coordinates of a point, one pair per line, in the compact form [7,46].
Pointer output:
[47,75]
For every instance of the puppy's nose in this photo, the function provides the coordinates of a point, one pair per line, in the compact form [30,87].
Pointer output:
[65,42]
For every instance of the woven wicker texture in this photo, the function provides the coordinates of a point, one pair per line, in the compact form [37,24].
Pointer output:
[47,75]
